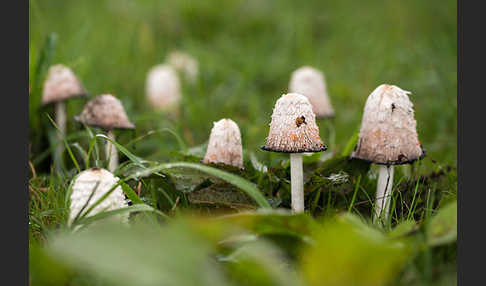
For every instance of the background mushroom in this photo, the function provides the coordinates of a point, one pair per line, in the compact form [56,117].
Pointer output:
[388,136]
[162,87]
[311,82]
[185,64]
[225,144]
[60,85]
[99,181]
[293,129]
[106,112]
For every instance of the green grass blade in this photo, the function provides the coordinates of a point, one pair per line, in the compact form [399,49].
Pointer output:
[65,144]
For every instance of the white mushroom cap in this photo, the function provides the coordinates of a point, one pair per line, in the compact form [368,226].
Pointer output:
[184,63]
[311,82]
[225,144]
[162,87]
[388,133]
[293,128]
[61,84]
[105,111]
[83,188]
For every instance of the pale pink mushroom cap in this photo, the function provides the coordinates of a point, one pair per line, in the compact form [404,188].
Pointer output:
[388,133]
[61,84]
[293,128]
[105,111]
[225,144]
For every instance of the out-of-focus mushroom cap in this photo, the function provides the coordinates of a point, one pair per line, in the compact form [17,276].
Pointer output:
[106,112]
[388,133]
[162,87]
[85,184]
[61,84]
[293,128]
[225,144]
[311,82]
[184,63]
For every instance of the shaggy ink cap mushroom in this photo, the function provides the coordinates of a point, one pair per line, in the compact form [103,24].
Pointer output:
[162,87]
[293,128]
[61,84]
[184,63]
[105,111]
[99,181]
[225,144]
[388,133]
[311,83]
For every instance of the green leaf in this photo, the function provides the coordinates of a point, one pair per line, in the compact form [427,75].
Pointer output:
[442,228]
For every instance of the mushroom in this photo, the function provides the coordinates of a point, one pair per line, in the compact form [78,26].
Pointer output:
[92,184]
[293,130]
[60,85]
[185,64]
[225,144]
[311,82]
[388,136]
[162,87]
[106,112]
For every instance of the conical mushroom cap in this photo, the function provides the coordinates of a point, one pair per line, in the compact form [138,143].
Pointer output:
[388,133]
[311,82]
[85,184]
[225,144]
[61,84]
[162,87]
[105,111]
[293,128]
[184,63]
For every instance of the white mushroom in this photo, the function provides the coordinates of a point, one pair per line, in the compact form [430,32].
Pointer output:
[185,64]
[162,87]
[225,144]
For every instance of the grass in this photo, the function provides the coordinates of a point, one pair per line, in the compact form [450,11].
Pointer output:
[246,52]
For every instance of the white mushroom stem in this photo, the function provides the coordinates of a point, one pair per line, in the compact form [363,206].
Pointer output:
[383,191]
[111,152]
[297,182]
[60,107]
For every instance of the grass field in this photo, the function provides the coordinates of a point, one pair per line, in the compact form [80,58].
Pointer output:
[246,52]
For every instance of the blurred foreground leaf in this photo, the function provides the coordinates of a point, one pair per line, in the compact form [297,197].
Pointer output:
[442,228]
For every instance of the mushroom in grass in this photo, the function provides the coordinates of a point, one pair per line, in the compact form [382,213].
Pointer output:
[185,64]
[294,130]
[225,144]
[89,186]
[106,112]
[162,87]
[388,136]
[60,85]
[311,82]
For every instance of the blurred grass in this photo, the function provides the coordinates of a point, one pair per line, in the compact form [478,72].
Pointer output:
[247,50]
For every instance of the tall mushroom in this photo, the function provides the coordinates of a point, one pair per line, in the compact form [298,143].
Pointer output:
[60,85]
[225,144]
[311,82]
[92,184]
[388,136]
[293,130]
[162,87]
[106,112]
[185,64]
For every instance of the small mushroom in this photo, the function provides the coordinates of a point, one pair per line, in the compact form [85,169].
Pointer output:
[185,64]
[106,112]
[60,85]
[388,136]
[225,144]
[95,183]
[162,87]
[311,82]
[293,130]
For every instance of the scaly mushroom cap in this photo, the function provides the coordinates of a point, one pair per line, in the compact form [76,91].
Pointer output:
[162,87]
[61,84]
[311,82]
[293,128]
[84,186]
[184,63]
[225,144]
[105,111]
[388,133]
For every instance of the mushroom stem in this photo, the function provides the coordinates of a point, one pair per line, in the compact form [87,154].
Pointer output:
[383,191]
[297,182]
[111,152]
[60,108]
